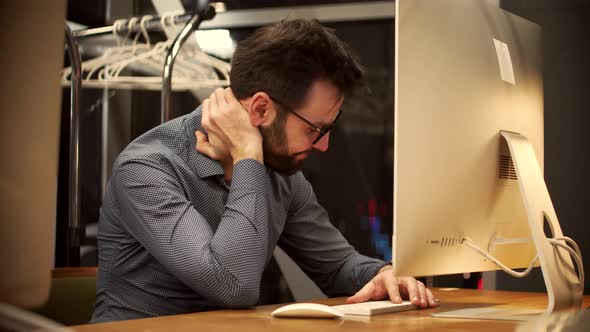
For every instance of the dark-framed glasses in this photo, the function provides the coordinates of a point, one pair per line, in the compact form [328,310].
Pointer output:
[321,130]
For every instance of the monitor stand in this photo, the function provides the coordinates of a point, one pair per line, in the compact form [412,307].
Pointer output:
[559,274]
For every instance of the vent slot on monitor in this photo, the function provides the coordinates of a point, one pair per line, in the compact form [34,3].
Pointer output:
[449,241]
[506,169]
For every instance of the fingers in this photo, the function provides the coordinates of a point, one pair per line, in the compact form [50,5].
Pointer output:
[213,107]
[202,141]
[418,294]
[392,287]
[411,286]
[423,296]
[362,295]
[432,301]
[231,137]
[229,96]
[205,122]
[387,284]
[220,96]
[203,145]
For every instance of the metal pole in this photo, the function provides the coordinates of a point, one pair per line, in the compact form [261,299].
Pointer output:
[152,25]
[74,176]
[171,56]
[169,65]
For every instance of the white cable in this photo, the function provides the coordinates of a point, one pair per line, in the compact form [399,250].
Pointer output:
[571,242]
[468,243]
[575,253]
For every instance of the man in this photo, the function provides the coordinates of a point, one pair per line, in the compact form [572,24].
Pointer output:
[196,206]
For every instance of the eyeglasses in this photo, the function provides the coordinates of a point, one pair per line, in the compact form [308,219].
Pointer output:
[322,131]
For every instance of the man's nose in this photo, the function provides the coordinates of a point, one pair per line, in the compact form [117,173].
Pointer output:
[323,144]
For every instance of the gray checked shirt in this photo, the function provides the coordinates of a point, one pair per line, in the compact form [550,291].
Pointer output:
[174,238]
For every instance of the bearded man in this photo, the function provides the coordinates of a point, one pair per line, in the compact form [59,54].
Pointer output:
[195,207]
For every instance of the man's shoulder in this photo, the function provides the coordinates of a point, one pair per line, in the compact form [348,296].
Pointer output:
[295,186]
[163,145]
[297,181]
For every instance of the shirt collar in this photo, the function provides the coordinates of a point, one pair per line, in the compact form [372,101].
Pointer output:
[200,163]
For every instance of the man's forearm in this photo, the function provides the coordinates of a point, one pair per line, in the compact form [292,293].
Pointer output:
[240,243]
[356,271]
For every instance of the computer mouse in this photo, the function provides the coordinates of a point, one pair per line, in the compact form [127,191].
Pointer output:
[306,310]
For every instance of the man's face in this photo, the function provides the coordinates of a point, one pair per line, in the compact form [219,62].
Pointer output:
[289,140]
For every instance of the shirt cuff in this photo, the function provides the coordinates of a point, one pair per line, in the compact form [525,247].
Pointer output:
[248,174]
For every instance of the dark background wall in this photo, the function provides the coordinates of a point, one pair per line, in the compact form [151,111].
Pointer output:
[566,74]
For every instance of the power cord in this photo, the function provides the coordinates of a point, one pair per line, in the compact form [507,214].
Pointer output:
[575,253]
[468,243]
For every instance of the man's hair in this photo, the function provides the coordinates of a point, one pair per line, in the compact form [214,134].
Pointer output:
[284,59]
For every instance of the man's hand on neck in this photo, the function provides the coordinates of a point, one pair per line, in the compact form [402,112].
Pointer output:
[231,137]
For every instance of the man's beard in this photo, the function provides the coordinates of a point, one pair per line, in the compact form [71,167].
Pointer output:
[274,144]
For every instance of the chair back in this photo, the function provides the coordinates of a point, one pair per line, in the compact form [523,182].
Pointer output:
[71,296]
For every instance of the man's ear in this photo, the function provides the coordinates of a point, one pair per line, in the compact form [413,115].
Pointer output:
[261,110]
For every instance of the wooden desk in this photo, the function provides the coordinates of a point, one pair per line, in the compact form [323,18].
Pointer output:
[258,319]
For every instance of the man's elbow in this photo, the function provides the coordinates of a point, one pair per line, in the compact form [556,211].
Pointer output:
[241,297]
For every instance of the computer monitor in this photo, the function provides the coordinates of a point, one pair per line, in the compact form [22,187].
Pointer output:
[468,125]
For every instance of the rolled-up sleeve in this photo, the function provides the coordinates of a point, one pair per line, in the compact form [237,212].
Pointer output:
[320,249]
[223,265]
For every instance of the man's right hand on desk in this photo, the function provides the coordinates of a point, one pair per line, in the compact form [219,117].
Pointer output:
[386,285]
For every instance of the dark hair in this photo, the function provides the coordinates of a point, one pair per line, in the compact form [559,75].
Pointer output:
[284,59]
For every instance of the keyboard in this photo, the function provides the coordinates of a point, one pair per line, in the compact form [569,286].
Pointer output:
[374,308]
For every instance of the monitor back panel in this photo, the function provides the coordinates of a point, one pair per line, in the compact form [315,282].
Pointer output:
[464,71]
